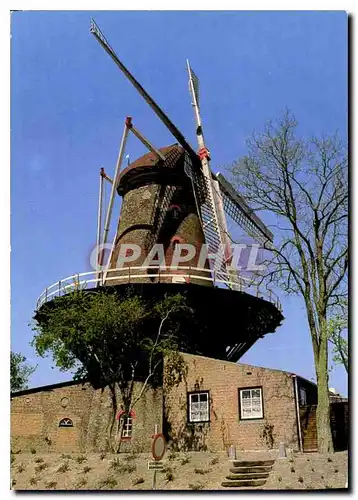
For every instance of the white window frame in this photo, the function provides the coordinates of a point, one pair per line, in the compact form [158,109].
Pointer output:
[203,414]
[252,416]
[127,426]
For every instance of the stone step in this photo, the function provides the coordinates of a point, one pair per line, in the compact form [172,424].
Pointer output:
[243,482]
[258,475]
[250,470]
[252,463]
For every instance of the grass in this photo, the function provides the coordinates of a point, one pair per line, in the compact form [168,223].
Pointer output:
[131,457]
[81,459]
[196,486]
[33,481]
[214,461]
[172,455]
[50,485]
[66,456]
[63,467]
[39,460]
[41,467]
[107,482]
[103,455]
[86,469]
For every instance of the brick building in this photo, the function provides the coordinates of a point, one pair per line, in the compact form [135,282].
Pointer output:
[217,404]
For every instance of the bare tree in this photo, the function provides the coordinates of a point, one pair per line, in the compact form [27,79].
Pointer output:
[304,186]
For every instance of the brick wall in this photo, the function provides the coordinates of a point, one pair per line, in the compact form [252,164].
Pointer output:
[35,417]
[223,379]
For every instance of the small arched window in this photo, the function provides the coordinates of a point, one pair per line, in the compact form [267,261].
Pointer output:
[65,422]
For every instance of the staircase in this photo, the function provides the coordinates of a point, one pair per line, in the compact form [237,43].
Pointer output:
[248,473]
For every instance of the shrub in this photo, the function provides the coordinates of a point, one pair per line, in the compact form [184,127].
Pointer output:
[81,483]
[300,479]
[214,461]
[293,469]
[329,459]
[66,456]
[86,469]
[201,471]
[33,451]
[40,467]
[63,467]
[103,455]
[81,459]
[39,460]
[50,485]
[172,455]
[131,457]
[336,470]
[138,480]
[279,479]
[12,459]
[169,476]
[121,467]
[109,482]
[33,481]
[185,460]
[21,468]
[13,483]
[196,486]
[312,469]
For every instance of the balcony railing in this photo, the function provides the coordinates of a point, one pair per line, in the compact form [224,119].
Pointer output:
[93,279]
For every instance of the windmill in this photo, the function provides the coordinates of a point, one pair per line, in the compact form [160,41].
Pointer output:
[215,196]
[171,195]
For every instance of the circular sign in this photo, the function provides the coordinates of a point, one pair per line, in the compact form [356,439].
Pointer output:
[159,446]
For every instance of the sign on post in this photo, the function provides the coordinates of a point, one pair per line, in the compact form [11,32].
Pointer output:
[159,446]
[155,465]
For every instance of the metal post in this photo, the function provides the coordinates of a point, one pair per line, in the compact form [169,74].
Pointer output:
[99,216]
[115,179]
[154,479]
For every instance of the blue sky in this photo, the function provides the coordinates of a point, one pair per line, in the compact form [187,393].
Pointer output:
[69,101]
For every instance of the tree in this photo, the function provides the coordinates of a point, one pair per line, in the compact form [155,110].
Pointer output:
[337,328]
[303,184]
[112,341]
[20,372]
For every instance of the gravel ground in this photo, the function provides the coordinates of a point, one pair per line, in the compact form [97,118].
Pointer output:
[182,471]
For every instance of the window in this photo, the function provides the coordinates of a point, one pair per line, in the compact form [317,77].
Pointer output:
[127,426]
[198,404]
[65,422]
[250,402]
[303,396]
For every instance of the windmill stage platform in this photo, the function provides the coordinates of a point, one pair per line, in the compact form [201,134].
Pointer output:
[228,322]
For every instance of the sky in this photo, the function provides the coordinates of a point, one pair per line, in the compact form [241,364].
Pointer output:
[69,102]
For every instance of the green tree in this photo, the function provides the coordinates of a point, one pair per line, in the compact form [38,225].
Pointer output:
[20,372]
[112,341]
[337,334]
[303,184]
